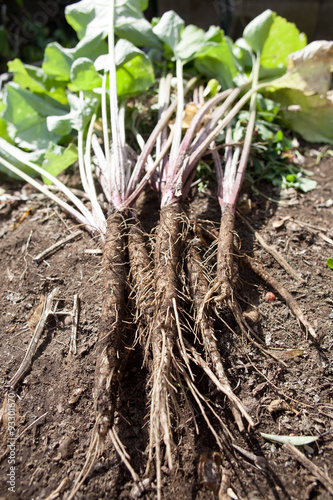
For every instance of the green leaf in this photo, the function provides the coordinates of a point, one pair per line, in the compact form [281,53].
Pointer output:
[295,440]
[3,125]
[84,75]
[212,88]
[36,80]
[26,115]
[214,34]
[267,108]
[91,47]
[300,181]
[58,158]
[257,31]
[124,51]
[283,39]
[330,262]
[169,29]
[58,61]
[191,41]
[311,116]
[79,116]
[135,76]
[90,19]
[28,76]
[134,72]
[217,61]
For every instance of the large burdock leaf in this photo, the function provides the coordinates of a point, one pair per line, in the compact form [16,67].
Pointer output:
[57,61]
[135,73]
[57,159]
[304,92]
[169,29]
[311,116]
[84,75]
[81,111]
[217,61]
[274,38]
[36,80]
[283,39]
[90,19]
[26,114]
[134,76]
[309,69]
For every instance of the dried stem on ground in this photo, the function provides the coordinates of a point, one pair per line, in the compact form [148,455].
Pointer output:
[42,320]
[277,255]
[57,245]
[312,468]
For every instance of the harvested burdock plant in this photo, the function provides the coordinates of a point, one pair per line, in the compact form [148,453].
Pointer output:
[147,107]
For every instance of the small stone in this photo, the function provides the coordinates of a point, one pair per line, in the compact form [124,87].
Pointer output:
[139,488]
[251,314]
[66,448]
[68,320]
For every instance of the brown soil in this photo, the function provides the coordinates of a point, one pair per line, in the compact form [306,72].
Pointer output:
[59,385]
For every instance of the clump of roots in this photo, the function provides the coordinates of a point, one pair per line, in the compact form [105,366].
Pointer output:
[171,297]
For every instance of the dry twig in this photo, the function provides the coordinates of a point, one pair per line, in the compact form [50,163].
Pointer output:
[277,256]
[57,245]
[27,360]
[315,471]
[56,493]
[274,283]
[75,319]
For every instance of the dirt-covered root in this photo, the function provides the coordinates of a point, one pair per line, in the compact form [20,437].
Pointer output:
[124,244]
[108,360]
[223,288]
[163,332]
[141,276]
[225,254]
[199,287]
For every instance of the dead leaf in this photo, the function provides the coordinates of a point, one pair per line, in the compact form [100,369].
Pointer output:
[251,314]
[209,470]
[76,395]
[280,405]
[279,223]
[190,111]
[287,354]
[246,206]
[36,315]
